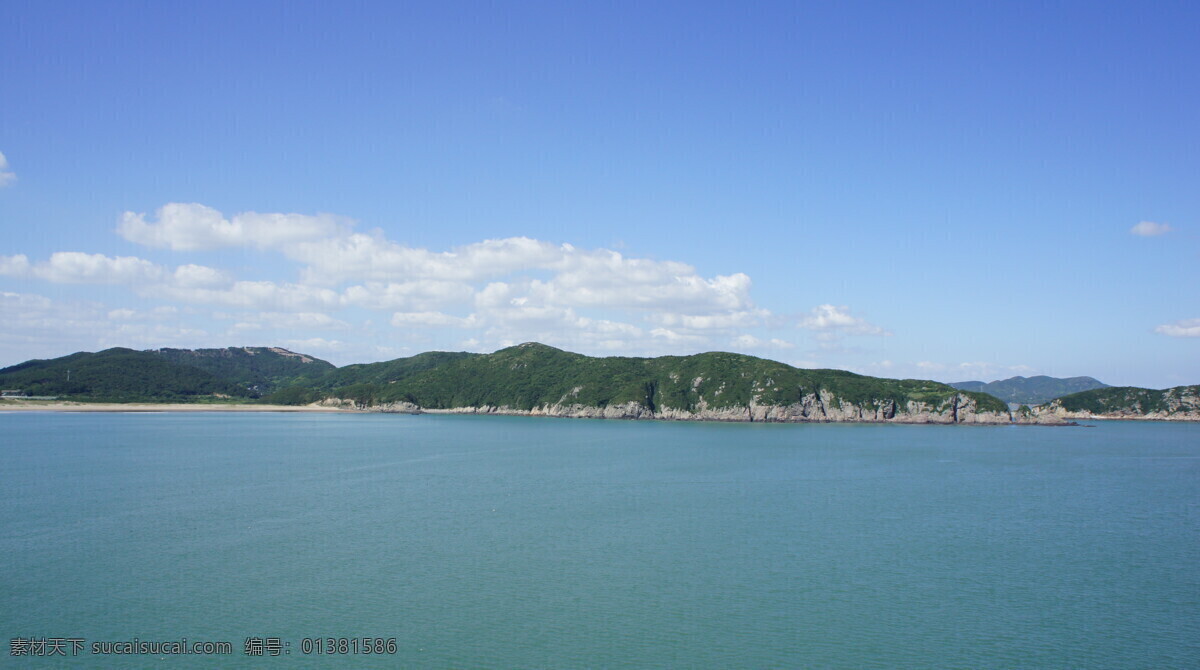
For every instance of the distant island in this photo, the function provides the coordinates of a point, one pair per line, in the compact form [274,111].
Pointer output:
[539,380]
[1032,390]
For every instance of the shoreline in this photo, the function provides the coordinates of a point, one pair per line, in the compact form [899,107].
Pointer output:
[120,407]
[11,405]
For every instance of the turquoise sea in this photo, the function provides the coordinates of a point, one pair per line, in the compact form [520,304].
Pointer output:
[509,542]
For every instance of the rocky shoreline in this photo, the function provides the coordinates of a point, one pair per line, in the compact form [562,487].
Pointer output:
[1175,404]
[960,411]
[1057,415]
[814,408]
[16,405]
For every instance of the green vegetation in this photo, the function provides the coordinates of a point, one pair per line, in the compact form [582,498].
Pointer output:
[387,372]
[1032,390]
[116,375]
[533,375]
[362,384]
[1118,399]
[523,377]
[166,375]
[259,370]
[293,395]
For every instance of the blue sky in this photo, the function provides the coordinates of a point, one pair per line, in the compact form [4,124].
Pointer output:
[938,190]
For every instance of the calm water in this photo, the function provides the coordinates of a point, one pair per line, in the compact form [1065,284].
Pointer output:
[515,542]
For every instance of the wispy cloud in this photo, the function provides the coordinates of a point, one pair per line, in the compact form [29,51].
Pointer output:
[7,176]
[318,344]
[1184,328]
[944,372]
[498,290]
[74,267]
[195,227]
[430,320]
[283,321]
[832,322]
[746,341]
[1150,229]
[37,326]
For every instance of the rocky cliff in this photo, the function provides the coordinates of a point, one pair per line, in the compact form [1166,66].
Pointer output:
[1181,403]
[819,407]
[534,379]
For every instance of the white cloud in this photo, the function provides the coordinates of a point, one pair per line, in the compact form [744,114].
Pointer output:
[74,267]
[496,257]
[505,315]
[746,341]
[1184,328]
[430,319]
[499,276]
[673,336]
[38,327]
[193,276]
[193,227]
[283,320]
[680,308]
[604,278]
[976,370]
[944,372]
[13,303]
[263,295]
[6,176]
[832,321]
[733,319]
[14,266]
[608,328]
[498,294]
[373,258]
[423,294]
[314,344]
[332,254]
[598,278]
[160,313]
[530,315]
[152,336]
[500,290]
[186,283]
[1150,229]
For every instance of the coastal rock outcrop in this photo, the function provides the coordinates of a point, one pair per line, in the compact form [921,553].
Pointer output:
[1181,403]
[814,408]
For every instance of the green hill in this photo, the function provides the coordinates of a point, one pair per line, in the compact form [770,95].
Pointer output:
[118,375]
[389,371]
[529,377]
[361,381]
[1133,401]
[260,370]
[534,375]
[1031,390]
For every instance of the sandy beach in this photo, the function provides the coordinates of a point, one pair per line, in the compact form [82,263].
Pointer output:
[11,405]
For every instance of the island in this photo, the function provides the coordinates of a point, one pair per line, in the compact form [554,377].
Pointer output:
[538,380]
